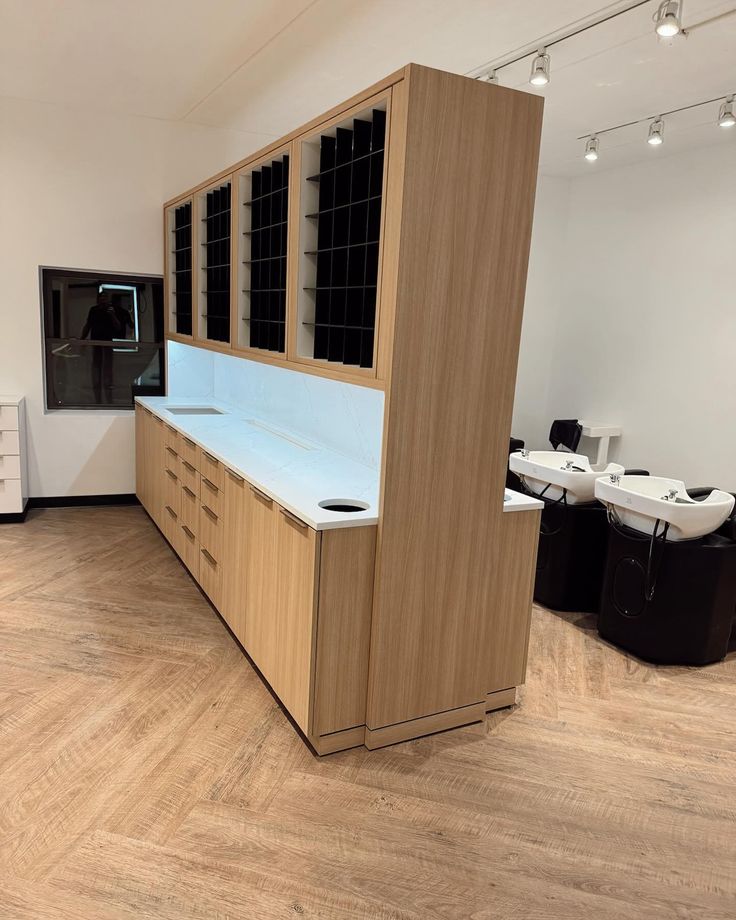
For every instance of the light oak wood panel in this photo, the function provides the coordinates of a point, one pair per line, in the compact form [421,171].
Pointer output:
[211,468]
[466,222]
[235,552]
[294,630]
[155,451]
[211,532]
[189,476]
[210,575]
[509,609]
[212,495]
[261,577]
[142,476]
[347,559]
[427,725]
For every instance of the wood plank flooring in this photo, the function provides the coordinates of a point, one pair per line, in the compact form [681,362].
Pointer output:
[147,772]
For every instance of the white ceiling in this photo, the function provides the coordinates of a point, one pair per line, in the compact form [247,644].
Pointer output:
[265,66]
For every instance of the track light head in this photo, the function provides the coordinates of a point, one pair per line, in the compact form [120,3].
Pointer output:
[591,149]
[540,69]
[491,77]
[668,18]
[726,117]
[656,132]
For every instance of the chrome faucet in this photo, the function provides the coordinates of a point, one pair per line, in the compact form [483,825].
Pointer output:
[569,464]
[615,479]
[524,452]
[670,496]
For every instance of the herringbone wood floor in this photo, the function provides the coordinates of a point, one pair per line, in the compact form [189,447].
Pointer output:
[146,771]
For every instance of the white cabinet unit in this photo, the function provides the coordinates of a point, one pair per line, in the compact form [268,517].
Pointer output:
[13,464]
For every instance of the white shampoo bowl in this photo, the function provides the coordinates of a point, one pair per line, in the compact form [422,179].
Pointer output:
[641,501]
[553,472]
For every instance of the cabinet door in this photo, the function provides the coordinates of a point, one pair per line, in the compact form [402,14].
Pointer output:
[155,471]
[281,569]
[236,493]
[142,485]
[294,627]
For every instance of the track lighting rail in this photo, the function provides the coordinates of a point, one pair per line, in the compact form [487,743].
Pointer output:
[641,121]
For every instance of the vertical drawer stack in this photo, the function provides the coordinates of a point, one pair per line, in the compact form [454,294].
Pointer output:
[13,479]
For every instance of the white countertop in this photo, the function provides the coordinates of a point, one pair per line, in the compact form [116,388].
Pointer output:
[517,501]
[290,469]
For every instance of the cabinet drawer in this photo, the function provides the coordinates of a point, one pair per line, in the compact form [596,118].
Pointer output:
[189,511]
[188,451]
[190,554]
[210,531]
[171,491]
[171,460]
[172,438]
[189,475]
[10,466]
[210,495]
[9,418]
[170,524]
[210,576]
[9,442]
[11,498]
[212,469]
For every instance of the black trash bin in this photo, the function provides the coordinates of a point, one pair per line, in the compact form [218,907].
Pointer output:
[571,555]
[669,602]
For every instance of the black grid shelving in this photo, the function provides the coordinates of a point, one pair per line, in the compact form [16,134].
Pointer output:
[269,205]
[216,268]
[348,219]
[181,287]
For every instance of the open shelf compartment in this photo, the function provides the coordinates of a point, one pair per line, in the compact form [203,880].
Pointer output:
[262,195]
[214,266]
[179,261]
[341,198]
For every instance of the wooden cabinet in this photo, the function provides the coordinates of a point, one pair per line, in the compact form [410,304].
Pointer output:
[298,600]
[214,257]
[408,219]
[263,195]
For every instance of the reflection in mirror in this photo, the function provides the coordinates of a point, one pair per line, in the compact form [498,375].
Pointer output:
[103,337]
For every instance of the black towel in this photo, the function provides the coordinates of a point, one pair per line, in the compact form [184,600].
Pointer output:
[565,431]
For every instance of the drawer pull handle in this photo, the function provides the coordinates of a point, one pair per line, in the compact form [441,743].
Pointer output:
[235,476]
[173,475]
[210,485]
[187,531]
[210,458]
[171,450]
[189,443]
[188,465]
[261,495]
[208,557]
[209,512]
[189,492]
[292,517]
[171,511]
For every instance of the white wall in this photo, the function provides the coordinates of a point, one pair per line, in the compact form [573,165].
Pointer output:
[645,334]
[84,190]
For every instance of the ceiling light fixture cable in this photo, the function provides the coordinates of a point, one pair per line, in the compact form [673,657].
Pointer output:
[726,109]
[481,73]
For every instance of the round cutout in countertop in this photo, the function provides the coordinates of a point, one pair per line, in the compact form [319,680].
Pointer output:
[343,505]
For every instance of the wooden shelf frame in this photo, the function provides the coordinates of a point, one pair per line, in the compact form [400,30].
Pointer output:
[242,256]
[214,240]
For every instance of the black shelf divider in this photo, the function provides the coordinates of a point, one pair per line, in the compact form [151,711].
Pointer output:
[350,190]
[268,236]
[182,270]
[217,269]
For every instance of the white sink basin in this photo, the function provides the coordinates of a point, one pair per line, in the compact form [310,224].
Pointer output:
[194,410]
[641,501]
[553,472]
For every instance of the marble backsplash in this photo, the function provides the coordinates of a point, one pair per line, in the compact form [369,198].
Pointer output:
[341,416]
